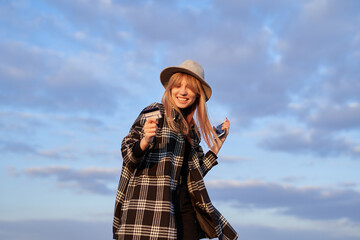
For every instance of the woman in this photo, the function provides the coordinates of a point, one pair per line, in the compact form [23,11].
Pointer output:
[161,193]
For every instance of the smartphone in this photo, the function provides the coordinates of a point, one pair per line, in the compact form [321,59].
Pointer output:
[219,132]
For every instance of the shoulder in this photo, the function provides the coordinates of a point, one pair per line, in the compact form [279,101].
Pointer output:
[154,106]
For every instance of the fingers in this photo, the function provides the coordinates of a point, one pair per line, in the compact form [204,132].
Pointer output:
[150,128]
[217,145]
[219,142]
[226,124]
[151,120]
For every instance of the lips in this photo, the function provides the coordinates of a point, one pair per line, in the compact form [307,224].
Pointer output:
[182,99]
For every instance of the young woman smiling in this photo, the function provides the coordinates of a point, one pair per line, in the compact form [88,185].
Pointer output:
[161,193]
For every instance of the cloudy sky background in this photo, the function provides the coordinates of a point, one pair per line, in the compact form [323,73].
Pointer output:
[74,75]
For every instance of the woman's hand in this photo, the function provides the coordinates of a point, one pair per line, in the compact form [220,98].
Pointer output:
[219,143]
[150,128]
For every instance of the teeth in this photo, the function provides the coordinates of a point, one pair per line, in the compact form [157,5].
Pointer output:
[182,99]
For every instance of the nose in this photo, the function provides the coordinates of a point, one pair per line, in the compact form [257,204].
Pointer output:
[183,90]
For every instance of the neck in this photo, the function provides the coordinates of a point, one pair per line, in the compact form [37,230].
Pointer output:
[186,111]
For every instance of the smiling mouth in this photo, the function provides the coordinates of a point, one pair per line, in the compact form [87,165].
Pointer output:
[181,99]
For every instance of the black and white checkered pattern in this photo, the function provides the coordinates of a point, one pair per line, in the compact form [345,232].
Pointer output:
[144,206]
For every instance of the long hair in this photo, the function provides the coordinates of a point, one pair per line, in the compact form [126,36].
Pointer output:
[202,119]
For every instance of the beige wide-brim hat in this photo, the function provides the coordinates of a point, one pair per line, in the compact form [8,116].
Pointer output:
[190,67]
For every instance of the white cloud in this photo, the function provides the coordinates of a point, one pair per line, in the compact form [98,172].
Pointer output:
[308,141]
[80,35]
[54,230]
[234,159]
[334,117]
[307,202]
[86,180]
[51,82]
[122,46]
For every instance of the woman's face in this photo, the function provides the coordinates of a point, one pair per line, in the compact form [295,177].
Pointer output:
[182,95]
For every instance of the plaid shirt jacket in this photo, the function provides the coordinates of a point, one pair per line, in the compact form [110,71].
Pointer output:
[144,206]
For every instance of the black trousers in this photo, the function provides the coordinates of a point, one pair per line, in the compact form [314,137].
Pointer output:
[187,226]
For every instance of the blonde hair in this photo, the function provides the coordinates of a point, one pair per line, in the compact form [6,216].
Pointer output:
[202,119]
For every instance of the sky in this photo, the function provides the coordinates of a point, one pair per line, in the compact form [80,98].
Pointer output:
[75,74]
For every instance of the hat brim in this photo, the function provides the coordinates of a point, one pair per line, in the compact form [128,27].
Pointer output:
[169,71]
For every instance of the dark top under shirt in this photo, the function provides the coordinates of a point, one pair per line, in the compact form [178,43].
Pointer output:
[185,164]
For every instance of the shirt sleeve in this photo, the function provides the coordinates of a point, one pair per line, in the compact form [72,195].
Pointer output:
[130,146]
[207,161]
[138,152]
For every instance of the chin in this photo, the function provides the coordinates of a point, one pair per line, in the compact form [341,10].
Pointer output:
[183,105]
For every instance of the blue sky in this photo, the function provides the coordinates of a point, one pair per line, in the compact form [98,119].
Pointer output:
[74,75]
